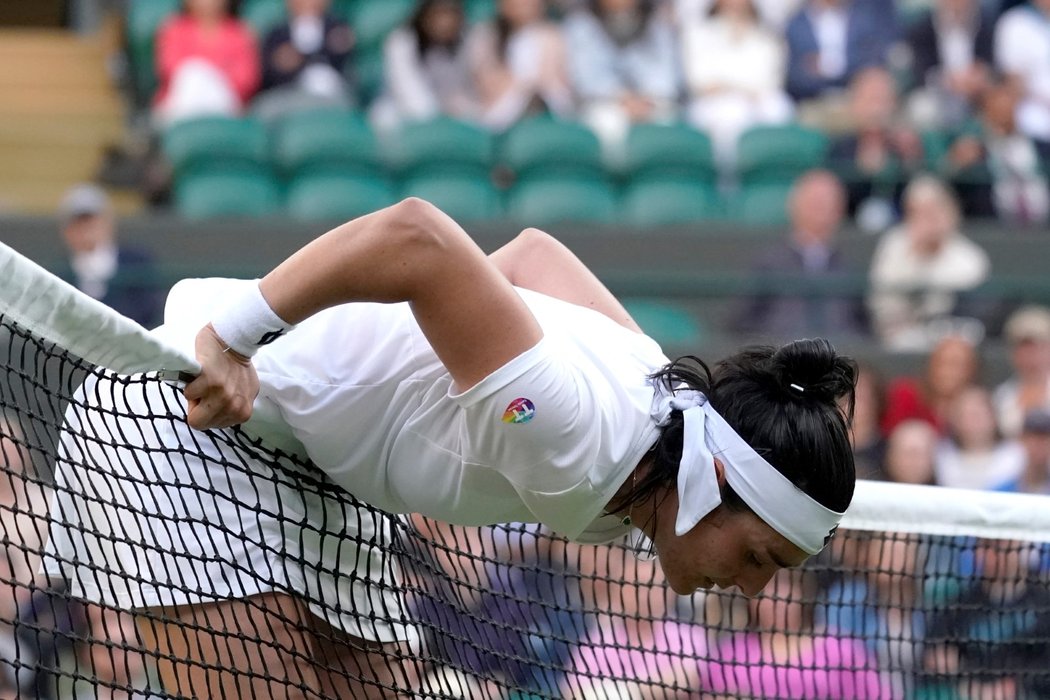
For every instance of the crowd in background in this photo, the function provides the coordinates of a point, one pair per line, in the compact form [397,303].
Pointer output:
[959,84]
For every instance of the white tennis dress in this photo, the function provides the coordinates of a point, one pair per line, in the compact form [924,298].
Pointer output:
[549,438]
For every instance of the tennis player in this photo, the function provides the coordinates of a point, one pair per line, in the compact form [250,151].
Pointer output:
[423,376]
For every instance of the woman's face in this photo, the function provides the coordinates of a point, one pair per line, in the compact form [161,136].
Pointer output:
[522,12]
[443,22]
[973,418]
[206,8]
[952,366]
[727,548]
[734,8]
[929,220]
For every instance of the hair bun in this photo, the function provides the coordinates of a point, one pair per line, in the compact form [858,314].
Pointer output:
[811,369]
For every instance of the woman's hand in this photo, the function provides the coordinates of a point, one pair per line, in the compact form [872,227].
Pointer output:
[223,393]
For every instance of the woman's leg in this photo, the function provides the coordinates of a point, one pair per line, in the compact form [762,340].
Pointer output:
[268,647]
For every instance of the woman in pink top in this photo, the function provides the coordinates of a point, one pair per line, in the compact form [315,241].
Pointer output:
[207,63]
[782,657]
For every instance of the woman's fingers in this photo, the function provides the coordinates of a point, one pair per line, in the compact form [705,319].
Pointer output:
[223,393]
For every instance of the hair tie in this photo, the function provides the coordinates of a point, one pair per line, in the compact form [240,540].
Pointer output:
[798,388]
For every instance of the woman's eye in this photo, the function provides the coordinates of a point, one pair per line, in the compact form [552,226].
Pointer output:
[755,561]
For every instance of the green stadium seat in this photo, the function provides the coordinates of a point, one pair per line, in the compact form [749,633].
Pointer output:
[779,154]
[678,149]
[144,18]
[331,196]
[538,202]
[372,20]
[667,323]
[263,15]
[325,140]
[246,192]
[464,198]
[542,146]
[442,145]
[364,71]
[761,205]
[667,201]
[215,142]
[480,10]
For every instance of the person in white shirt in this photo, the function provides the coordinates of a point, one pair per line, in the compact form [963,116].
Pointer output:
[919,268]
[425,377]
[1027,331]
[1022,52]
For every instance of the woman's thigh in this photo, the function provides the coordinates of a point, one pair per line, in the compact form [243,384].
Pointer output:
[269,647]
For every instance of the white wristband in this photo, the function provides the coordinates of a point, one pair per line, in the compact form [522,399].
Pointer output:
[248,323]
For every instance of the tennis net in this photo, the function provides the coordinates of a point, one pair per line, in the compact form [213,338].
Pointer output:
[140,559]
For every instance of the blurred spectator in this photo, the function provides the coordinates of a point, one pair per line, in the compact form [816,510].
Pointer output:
[1010,611]
[623,66]
[734,70]
[830,41]
[1022,53]
[518,64]
[974,454]
[869,445]
[602,665]
[951,367]
[303,61]
[425,68]
[996,169]
[1027,331]
[879,602]
[1035,440]
[920,268]
[122,277]
[816,208]
[910,452]
[781,656]
[774,13]
[951,60]
[879,151]
[207,63]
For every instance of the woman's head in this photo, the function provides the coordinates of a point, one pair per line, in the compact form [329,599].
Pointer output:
[952,366]
[910,452]
[971,420]
[206,9]
[735,9]
[791,405]
[624,20]
[931,214]
[519,13]
[438,23]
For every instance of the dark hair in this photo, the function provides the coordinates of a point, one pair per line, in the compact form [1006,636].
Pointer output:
[803,432]
[419,16]
[646,9]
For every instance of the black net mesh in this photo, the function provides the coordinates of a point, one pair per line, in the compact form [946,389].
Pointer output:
[141,559]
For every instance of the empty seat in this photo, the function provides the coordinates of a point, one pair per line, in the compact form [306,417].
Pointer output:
[334,197]
[672,149]
[215,141]
[668,323]
[667,201]
[558,199]
[442,145]
[335,140]
[762,204]
[263,15]
[144,19]
[248,192]
[544,146]
[779,154]
[464,198]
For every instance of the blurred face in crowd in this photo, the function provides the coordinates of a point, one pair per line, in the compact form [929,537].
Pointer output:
[87,232]
[930,219]
[998,106]
[308,8]
[443,22]
[873,98]
[522,12]
[1036,446]
[735,9]
[867,407]
[615,6]
[817,206]
[1030,357]
[207,9]
[972,419]
[910,452]
[952,366]
[957,11]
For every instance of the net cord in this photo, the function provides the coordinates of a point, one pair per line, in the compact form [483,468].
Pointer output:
[62,314]
[55,310]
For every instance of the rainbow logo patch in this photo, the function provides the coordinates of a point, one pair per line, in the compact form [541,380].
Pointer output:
[519,411]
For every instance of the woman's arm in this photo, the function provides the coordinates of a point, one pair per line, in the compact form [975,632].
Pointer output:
[466,308]
[535,260]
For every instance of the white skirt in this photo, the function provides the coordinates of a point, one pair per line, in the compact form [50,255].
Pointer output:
[147,512]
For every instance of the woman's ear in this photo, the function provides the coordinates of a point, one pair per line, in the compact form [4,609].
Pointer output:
[720,472]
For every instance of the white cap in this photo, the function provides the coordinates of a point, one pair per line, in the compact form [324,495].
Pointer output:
[83,200]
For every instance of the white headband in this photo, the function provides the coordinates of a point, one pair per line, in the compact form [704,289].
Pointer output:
[705,435]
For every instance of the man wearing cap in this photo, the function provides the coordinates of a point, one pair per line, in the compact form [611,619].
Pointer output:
[119,276]
[1035,439]
[1028,333]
